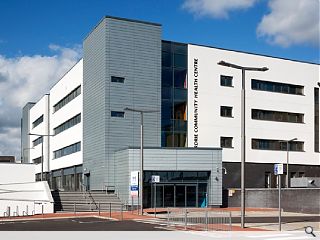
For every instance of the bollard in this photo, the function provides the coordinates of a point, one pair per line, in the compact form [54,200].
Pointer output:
[121,213]
[9,211]
[74,208]
[17,210]
[185,219]
[42,209]
[99,208]
[230,221]
[27,210]
[110,210]
[206,219]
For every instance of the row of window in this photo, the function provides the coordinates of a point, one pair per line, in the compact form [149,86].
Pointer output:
[37,141]
[36,160]
[68,124]
[258,114]
[266,144]
[72,95]
[268,86]
[37,121]
[76,147]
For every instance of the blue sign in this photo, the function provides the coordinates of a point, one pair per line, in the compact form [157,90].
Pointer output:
[134,188]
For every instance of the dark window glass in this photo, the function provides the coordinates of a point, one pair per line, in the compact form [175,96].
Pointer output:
[225,111]
[167,77]
[180,48]
[226,142]
[226,81]
[276,87]
[166,93]
[117,79]
[76,147]
[180,60]
[180,94]
[37,141]
[68,124]
[166,46]
[166,59]
[267,115]
[37,121]
[117,114]
[191,176]
[316,119]
[280,145]
[167,138]
[72,95]
[180,78]
[36,160]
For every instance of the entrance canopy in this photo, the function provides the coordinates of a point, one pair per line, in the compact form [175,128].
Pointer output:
[189,177]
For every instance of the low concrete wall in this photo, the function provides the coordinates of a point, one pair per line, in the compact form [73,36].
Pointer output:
[304,200]
[25,199]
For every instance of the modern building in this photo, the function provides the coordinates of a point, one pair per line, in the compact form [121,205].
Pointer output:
[87,135]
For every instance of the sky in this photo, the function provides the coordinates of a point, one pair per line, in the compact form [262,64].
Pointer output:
[41,39]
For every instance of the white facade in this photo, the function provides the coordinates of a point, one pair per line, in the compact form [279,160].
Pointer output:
[52,119]
[67,84]
[206,96]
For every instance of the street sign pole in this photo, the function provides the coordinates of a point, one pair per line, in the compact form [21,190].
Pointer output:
[278,170]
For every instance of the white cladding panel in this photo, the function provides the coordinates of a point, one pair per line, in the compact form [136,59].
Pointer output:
[40,108]
[211,126]
[67,84]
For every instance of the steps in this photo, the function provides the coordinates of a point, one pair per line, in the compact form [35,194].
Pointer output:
[85,201]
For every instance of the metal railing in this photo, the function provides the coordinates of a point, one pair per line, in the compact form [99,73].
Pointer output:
[102,208]
[198,219]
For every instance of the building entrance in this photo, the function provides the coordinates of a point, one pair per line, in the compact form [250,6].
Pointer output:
[176,189]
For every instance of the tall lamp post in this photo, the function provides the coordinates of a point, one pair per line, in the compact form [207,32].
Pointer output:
[141,151]
[243,130]
[288,142]
[41,135]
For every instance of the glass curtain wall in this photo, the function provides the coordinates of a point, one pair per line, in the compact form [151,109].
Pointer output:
[174,94]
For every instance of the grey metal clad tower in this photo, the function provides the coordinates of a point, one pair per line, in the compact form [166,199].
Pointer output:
[122,68]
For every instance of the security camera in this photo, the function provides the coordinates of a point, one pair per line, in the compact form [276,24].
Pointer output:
[311,181]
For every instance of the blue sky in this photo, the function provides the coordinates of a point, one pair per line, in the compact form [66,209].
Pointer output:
[40,39]
[29,26]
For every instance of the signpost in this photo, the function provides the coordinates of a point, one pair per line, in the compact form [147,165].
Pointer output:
[155,179]
[134,186]
[278,170]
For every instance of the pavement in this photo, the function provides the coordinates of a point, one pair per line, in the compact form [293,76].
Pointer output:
[257,219]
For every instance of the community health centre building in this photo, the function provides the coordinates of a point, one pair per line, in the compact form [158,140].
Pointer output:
[85,132]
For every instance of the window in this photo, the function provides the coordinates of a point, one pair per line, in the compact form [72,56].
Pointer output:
[37,141]
[117,114]
[36,160]
[225,111]
[267,115]
[117,79]
[226,142]
[68,124]
[72,95]
[276,87]
[279,145]
[226,81]
[37,121]
[316,119]
[76,147]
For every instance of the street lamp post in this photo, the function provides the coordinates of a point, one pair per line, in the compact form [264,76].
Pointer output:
[288,142]
[243,131]
[141,151]
[41,135]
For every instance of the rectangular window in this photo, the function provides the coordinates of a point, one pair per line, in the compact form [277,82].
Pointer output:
[226,142]
[276,87]
[76,147]
[117,114]
[37,141]
[259,114]
[68,124]
[37,121]
[225,111]
[316,119]
[36,160]
[64,101]
[226,81]
[117,79]
[279,145]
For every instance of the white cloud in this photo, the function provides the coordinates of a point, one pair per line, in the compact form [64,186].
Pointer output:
[216,8]
[291,22]
[25,79]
